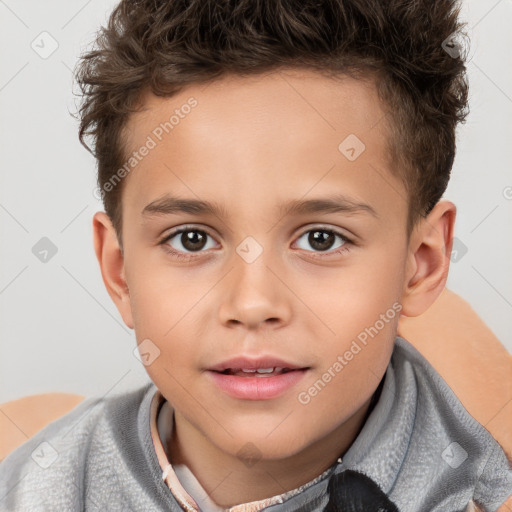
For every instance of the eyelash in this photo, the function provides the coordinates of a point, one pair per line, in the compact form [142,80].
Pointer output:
[179,255]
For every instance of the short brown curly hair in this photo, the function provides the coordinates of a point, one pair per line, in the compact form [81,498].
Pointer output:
[406,46]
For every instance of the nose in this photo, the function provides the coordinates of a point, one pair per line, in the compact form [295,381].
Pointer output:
[253,295]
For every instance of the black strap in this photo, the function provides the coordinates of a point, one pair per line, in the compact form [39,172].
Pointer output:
[351,491]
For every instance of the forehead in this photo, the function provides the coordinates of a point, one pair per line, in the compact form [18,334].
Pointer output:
[284,132]
[275,99]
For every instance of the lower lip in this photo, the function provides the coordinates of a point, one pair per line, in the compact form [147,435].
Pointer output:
[257,388]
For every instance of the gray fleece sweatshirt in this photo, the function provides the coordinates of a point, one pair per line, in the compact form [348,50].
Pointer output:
[419,444]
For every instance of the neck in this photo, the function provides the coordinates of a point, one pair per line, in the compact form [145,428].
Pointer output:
[229,481]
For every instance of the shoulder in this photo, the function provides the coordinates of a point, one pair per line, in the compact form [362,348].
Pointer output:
[455,449]
[54,461]
[439,412]
[22,418]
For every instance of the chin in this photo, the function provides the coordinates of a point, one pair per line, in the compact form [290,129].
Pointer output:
[252,447]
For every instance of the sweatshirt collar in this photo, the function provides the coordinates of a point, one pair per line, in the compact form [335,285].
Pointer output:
[161,425]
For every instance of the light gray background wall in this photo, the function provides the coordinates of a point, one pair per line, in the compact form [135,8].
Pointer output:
[59,330]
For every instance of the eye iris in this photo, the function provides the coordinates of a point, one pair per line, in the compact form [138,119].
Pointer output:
[324,239]
[193,240]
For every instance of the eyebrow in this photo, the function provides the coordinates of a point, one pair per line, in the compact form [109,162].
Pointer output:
[168,205]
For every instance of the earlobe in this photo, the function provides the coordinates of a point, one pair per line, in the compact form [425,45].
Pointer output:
[110,258]
[430,247]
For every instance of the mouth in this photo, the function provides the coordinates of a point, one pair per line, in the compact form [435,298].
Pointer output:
[265,383]
[257,372]
[246,377]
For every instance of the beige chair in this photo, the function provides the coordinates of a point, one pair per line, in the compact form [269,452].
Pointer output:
[450,335]
[21,419]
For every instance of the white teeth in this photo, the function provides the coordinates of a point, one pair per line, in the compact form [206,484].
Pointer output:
[256,371]
[261,370]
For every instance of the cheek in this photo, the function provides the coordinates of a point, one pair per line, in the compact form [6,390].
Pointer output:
[381,276]
[352,297]
[159,299]
[165,309]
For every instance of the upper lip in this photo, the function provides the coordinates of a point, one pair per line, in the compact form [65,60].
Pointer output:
[248,363]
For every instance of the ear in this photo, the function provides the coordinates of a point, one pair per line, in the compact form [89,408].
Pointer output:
[111,260]
[430,247]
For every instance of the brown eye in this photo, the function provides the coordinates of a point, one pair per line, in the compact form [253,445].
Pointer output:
[193,240]
[187,240]
[323,240]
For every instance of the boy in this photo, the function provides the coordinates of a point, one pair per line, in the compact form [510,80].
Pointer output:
[305,146]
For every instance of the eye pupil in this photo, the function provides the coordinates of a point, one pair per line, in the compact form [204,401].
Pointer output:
[321,240]
[193,240]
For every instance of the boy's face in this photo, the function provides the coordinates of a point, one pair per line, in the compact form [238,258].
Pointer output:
[255,279]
